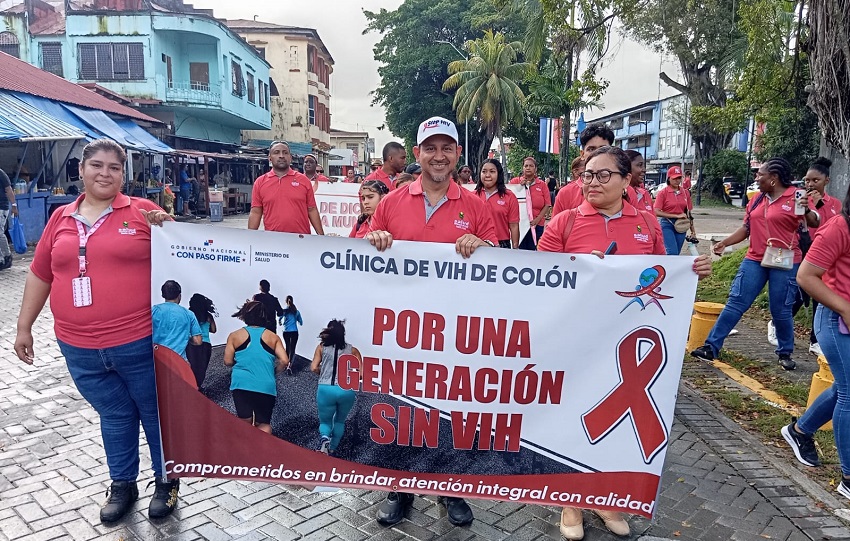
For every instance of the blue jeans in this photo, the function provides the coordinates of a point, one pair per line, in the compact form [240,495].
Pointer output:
[673,241]
[120,385]
[334,404]
[748,283]
[833,403]
[183,197]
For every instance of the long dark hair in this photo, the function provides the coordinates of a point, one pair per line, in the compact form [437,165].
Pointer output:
[290,306]
[202,307]
[333,334]
[253,313]
[500,178]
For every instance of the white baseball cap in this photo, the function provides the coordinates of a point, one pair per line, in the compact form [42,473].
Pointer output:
[436,125]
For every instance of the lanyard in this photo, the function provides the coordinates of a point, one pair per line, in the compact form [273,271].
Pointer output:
[84,240]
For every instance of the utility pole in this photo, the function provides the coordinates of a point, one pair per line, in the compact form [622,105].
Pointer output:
[465,124]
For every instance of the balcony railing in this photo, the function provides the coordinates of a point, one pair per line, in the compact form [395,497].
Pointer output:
[192,92]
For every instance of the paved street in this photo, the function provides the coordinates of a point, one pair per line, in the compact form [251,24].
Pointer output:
[720,483]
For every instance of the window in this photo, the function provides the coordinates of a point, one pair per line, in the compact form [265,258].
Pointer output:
[252,98]
[268,97]
[261,51]
[355,147]
[9,44]
[169,70]
[293,57]
[661,145]
[261,92]
[641,117]
[616,124]
[111,61]
[51,57]
[236,81]
[311,113]
[199,76]
[311,62]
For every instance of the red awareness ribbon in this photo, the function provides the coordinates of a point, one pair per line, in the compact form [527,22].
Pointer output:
[631,397]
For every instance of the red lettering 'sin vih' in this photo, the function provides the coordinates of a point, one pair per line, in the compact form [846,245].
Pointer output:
[631,396]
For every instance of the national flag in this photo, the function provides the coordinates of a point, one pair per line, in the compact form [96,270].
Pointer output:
[550,135]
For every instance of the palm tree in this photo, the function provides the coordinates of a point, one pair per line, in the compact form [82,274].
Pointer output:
[487,86]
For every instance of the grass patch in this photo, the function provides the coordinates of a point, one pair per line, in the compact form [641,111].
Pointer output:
[796,394]
[711,200]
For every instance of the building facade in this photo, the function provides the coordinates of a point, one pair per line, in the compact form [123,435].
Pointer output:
[635,128]
[674,141]
[174,62]
[301,67]
[361,146]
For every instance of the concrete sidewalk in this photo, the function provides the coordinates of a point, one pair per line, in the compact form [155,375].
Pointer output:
[720,482]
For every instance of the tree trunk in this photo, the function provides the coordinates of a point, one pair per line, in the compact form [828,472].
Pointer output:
[502,149]
[563,166]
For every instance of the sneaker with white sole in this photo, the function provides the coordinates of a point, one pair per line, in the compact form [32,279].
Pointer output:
[814,349]
[771,334]
[326,445]
[844,488]
[803,445]
[703,353]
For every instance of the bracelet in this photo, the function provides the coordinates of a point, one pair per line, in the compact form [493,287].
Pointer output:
[490,243]
[14,204]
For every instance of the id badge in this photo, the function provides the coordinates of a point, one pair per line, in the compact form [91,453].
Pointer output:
[82,291]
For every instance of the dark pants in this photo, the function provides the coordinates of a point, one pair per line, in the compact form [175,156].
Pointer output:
[290,339]
[806,300]
[528,240]
[199,360]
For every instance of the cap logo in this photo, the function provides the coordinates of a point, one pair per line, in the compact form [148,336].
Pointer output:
[428,124]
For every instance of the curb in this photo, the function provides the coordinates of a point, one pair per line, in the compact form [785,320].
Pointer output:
[808,486]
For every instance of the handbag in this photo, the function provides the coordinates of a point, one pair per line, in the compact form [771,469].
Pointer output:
[16,231]
[681,225]
[777,257]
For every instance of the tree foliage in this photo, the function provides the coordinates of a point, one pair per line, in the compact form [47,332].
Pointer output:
[413,62]
[792,134]
[487,84]
[705,39]
[725,163]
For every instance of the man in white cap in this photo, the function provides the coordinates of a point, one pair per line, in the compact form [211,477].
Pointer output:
[432,209]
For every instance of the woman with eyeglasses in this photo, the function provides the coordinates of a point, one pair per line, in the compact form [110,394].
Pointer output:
[371,193]
[603,217]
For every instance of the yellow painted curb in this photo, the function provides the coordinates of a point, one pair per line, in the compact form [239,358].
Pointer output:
[770,396]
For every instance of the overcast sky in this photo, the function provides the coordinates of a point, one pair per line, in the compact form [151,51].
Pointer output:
[631,68]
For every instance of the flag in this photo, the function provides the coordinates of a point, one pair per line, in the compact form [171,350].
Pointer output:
[550,135]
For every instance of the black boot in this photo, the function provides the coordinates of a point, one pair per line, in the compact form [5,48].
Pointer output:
[392,509]
[164,498]
[7,263]
[119,499]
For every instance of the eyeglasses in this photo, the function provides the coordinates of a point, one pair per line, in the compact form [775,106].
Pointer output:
[603,176]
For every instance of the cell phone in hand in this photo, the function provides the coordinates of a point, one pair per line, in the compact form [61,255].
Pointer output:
[612,248]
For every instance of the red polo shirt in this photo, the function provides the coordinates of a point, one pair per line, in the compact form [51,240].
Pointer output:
[505,211]
[631,231]
[284,201]
[781,221]
[831,252]
[831,207]
[359,232]
[643,199]
[402,213]
[119,265]
[380,174]
[568,197]
[539,193]
[669,200]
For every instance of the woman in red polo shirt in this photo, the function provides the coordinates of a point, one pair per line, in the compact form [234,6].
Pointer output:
[672,203]
[642,197]
[825,275]
[585,230]
[538,202]
[106,341]
[769,220]
[371,193]
[502,203]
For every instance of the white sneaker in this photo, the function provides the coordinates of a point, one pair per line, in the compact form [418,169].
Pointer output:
[814,349]
[771,334]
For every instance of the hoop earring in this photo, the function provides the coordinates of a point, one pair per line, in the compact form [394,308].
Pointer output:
[772,183]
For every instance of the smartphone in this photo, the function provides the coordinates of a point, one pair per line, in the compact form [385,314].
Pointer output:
[799,206]
[612,248]
[842,327]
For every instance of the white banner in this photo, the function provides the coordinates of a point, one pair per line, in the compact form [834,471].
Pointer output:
[339,206]
[536,370]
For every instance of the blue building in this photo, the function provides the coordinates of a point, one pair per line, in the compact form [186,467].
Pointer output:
[174,62]
[635,128]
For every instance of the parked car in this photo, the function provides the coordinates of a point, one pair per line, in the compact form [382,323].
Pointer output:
[733,187]
[752,190]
